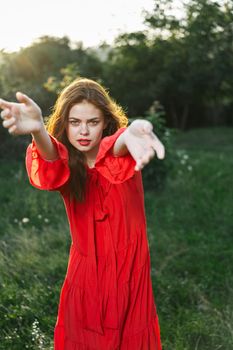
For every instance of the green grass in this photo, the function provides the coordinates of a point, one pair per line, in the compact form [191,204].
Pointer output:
[33,260]
[191,244]
[190,233]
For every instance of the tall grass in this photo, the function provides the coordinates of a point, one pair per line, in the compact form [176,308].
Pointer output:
[191,245]
[34,247]
[190,234]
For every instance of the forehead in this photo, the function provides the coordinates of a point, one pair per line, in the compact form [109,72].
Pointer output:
[85,110]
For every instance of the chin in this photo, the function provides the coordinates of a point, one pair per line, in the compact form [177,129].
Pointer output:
[83,149]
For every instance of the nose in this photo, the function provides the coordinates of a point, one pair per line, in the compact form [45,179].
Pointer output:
[84,129]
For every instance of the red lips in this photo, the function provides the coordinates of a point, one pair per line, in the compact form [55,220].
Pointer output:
[84,142]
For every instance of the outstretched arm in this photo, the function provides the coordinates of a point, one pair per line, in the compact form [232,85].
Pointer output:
[140,141]
[25,118]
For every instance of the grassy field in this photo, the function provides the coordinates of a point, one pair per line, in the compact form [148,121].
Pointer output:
[190,231]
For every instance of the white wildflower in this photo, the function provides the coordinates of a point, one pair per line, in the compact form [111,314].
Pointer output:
[46,220]
[25,220]
[39,216]
[190,168]
[37,336]
[8,337]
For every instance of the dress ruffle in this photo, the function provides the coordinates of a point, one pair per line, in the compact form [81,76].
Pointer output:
[45,174]
[115,169]
[148,339]
[80,302]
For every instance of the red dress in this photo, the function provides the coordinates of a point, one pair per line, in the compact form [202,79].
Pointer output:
[106,301]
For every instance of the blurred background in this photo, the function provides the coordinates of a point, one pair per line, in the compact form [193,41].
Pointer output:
[167,61]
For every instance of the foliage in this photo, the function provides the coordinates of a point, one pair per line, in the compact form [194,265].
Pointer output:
[198,60]
[68,74]
[155,174]
[185,64]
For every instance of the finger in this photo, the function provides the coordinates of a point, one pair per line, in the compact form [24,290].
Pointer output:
[160,151]
[23,98]
[147,127]
[5,114]
[151,153]
[12,129]
[146,155]
[158,147]
[138,165]
[146,159]
[5,104]
[9,122]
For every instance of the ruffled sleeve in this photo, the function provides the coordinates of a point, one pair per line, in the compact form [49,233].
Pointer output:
[115,169]
[45,174]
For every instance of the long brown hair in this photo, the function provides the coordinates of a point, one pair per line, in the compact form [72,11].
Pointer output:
[79,90]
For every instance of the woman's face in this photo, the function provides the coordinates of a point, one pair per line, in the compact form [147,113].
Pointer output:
[85,127]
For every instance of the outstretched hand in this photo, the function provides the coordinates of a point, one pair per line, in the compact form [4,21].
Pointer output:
[142,143]
[21,118]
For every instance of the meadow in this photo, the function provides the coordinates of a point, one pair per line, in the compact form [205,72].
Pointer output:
[190,234]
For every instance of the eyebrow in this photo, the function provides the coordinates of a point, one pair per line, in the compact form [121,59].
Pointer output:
[89,120]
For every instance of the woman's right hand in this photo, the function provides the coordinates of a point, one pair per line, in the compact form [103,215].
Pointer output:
[21,118]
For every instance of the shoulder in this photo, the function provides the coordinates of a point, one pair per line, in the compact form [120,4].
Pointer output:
[108,142]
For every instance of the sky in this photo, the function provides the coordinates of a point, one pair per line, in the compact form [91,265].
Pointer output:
[89,21]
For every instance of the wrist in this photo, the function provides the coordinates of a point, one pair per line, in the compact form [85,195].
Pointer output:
[39,130]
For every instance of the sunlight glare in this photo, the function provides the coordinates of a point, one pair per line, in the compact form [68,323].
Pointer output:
[91,22]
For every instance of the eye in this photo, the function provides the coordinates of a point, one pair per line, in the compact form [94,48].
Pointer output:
[94,122]
[74,122]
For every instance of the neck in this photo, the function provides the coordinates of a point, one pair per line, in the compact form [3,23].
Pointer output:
[91,156]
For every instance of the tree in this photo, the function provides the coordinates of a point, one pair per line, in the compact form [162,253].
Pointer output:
[196,74]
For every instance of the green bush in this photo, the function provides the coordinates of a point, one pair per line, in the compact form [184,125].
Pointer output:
[156,172]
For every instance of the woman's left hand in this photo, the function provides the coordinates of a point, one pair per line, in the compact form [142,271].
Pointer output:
[142,143]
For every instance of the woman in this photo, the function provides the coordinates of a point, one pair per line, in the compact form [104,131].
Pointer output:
[87,153]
